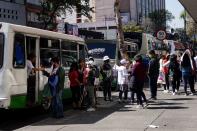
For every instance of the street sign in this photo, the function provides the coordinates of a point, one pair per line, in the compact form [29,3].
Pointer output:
[161,35]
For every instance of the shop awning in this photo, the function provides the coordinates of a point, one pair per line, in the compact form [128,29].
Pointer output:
[190,6]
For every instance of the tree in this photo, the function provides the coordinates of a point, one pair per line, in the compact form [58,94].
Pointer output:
[131,27]
[120,42]
[53,8]
[183,16]
[159,19]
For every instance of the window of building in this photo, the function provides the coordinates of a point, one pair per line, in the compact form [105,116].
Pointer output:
[32,17]
[1,49]
[19,1]
[101,28]
[19,51]
[112,27]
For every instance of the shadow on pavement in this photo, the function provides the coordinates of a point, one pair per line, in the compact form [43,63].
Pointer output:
[179,99]
[84,117]
[168,107]
[165,103]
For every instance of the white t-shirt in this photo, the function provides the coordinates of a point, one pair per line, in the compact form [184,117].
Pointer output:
[122,74]
[29,67]
[195,58]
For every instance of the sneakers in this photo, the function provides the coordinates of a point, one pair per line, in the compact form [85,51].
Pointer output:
[119,101]
[139,106]
[192,94]
[91,109]
[153,98]
[165,91]
[145,105]
[173,93]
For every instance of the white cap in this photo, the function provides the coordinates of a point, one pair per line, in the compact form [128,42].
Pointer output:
[123,61]
[105,58]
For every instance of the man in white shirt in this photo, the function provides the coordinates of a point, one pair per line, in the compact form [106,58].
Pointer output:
[122,79]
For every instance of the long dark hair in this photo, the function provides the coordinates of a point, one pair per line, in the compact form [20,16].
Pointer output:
[186,61]
[74,66]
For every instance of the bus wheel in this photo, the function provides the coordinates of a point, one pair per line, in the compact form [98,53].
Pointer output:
[46,103]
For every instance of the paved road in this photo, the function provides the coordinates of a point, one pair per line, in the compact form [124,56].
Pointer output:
[168,113]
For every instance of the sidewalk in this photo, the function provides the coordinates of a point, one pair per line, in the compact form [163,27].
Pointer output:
[168,113]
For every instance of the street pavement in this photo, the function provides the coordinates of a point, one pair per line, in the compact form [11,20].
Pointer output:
[168,113]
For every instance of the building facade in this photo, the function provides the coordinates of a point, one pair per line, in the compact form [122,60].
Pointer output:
[135,11]
[13,11]
[33,7]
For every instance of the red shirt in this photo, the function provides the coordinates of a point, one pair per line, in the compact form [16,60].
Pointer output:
[73,75]
[165,69]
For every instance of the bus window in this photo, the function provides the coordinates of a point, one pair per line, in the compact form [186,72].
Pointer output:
[19,51]
[1,49]
[68,58]
[69,46]
[48,50]
[47,43]
[82,52]
[69,53]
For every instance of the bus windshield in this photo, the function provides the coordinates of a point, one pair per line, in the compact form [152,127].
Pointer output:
[1,49]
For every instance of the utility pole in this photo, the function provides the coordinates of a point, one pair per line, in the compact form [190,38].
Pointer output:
[120,39]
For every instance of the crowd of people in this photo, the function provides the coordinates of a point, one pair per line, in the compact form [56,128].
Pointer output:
[131,75]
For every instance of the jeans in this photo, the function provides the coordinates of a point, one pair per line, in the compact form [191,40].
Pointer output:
[57,105]
[153,86]
[91,97]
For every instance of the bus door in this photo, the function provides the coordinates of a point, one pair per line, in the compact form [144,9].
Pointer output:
[32,46]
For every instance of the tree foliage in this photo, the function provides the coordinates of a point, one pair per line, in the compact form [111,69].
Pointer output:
[131,27]
[53,8]
[159,18]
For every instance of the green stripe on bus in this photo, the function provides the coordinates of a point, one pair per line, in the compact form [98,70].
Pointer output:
[18,101]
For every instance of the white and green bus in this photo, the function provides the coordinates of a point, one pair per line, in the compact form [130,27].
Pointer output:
[16,42]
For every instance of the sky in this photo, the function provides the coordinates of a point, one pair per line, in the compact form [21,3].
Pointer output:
[175,8]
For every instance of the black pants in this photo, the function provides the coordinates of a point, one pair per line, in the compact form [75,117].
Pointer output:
[188,79]
[107,89]
[153,85]
[175,83]
[31,83]
[140,93]
[166,86]
[75,94]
